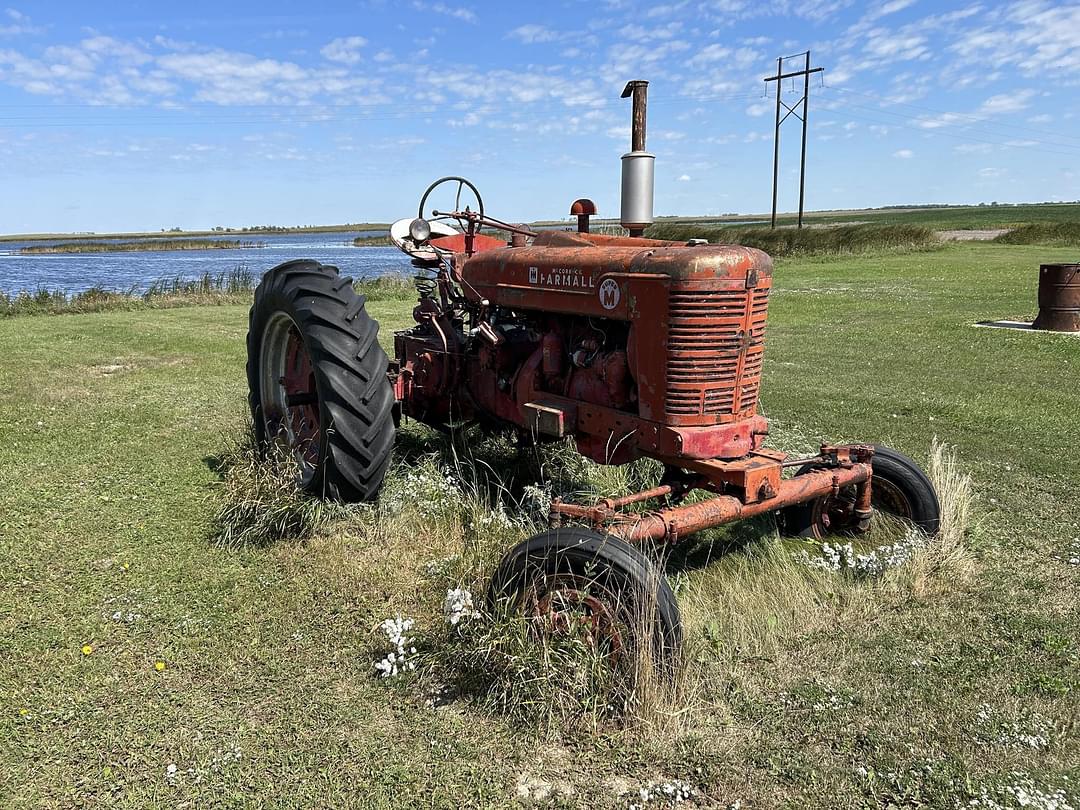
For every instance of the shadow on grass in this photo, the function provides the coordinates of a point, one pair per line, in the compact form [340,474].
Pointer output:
[217,464]
[707,547]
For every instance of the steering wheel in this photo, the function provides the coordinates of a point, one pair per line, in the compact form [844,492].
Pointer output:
[462,182]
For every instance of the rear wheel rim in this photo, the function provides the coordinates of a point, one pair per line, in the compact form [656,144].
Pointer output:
[569,605]
[289,396]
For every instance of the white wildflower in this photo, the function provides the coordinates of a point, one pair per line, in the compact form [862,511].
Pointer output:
[458,605]
[843,557]
[668,793]
[397,660]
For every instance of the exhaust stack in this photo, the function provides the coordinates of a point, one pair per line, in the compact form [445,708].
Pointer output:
[638,166]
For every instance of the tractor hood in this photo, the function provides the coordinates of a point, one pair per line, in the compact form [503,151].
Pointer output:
[592,274]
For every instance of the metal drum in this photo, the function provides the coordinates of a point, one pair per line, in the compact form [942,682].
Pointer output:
[1059,298]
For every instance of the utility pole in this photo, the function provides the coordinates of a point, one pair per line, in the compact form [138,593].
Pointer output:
[791,110]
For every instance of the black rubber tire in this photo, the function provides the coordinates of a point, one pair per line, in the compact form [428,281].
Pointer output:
[355,396]
[902,473]
[613,564]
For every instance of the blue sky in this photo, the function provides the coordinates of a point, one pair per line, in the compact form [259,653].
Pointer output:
[145,115]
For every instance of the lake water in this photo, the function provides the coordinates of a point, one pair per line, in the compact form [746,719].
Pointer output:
[75,272]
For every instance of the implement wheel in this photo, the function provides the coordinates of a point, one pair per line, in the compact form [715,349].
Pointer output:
[317,381]
[899,491]
[574,581]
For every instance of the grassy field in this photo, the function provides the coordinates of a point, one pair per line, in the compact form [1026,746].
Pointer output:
[131,642]
[960,217]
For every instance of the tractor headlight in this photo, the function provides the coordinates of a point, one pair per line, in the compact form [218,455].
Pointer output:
[420,230]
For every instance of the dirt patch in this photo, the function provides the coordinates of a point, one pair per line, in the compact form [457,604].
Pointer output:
[131,363]
[110,368]
[983,235]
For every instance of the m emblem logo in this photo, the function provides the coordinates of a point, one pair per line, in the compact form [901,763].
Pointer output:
[609,294]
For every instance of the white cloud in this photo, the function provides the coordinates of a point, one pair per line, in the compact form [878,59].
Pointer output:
[531,33]
[1006,102]
[17,24]
[1035,36]
[889,46]
[991,172]
[684,178]
[641,33]
[903,154]
[665,10]
[757,110]
[344,49]
[627,60]
[457,12]
[894,6]
[710,53]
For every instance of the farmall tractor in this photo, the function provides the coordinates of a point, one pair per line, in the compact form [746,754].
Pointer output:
[631,347]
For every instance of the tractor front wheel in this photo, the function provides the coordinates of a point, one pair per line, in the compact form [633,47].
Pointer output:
[574,581]
[900,492]
[317,381]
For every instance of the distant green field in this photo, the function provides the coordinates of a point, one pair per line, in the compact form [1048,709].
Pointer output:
[928,691]
[948,218]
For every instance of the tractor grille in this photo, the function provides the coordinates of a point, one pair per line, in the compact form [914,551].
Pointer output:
[716,339]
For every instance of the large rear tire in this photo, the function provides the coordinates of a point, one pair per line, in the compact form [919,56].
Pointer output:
[317,381]
[574,575]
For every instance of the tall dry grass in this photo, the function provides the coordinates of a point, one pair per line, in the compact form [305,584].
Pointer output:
[232,287]
[837,240]
[1054,234]
[944,560]
[258,501]
[446,518]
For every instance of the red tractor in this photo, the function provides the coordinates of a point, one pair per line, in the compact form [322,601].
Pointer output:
[632,347]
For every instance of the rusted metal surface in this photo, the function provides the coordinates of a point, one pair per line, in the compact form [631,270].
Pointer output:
[632,347]
[637,91]
[1059,298]
[583,209]
[749,487]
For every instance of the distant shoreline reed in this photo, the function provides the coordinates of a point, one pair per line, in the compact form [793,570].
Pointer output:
[233,287]
[142,245]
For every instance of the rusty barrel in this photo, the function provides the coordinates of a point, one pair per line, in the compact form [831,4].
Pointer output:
[1059,298]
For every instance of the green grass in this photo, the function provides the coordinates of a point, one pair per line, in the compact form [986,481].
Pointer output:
[783,242]
[1060,234]
[812,690]
[372,241]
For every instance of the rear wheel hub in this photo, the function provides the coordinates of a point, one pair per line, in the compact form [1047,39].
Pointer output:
[290,397]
